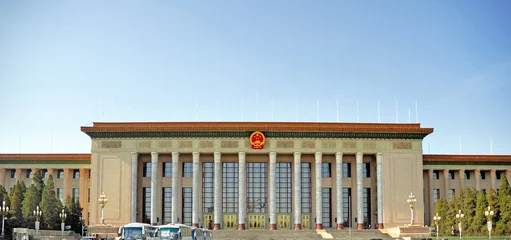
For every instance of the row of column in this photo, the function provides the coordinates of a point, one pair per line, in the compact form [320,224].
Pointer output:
[242,181]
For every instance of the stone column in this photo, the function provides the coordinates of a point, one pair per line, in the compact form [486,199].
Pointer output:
[446,184]
[195,190]
[338,183]
[430,195]
[2,176]
[493,178]
[360,209]
[379,188]
[242,183]
[67,183]
[508,175]
[19,174]
[50,172]
[272,193]
[477,174]
[297,191]
[134,179]
[175,190]
[154,187]
[217,156]
[319,203]
[83,191]
[462,178]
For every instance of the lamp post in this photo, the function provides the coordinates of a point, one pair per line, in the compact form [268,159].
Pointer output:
[489,215]
[437,219]
[411,201]
[63,217]
[4,210]
[102,202]
[37,214]
[459,216]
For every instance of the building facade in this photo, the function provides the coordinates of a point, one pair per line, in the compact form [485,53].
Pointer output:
[259,175]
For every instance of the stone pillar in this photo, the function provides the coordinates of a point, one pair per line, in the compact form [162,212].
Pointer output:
[50,172]
[67,183]
[430,195]
[134,179]
[272,193]
[338,183]
[154,187]
[493,178]
[218,190]
[360,209]
[2,176]
[462,178]
[242,183]
[19,174]
[175,188]
[195,190]
[379,188]
[446,184]
[477,174]
[508,175]
[297,191]
[83,191]
[319,204]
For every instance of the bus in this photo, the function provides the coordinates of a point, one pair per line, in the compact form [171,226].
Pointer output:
[181,232]
[136,231]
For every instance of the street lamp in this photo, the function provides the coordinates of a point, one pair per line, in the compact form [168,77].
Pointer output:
[4,210]
[102,202]
[437,219]
[459,216]
[411,201]
[63,217]
[489,215]
[37,214]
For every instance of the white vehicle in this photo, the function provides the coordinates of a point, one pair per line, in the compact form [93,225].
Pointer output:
[180,232]
[136,231]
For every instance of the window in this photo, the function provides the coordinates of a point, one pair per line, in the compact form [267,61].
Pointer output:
[76,193]
[187,206]
[366,170]
[208,189]
[367,206]
[230,187]
[29,173]
[306,188]
[60,194]
[13,173]
[45,173]
[147,169]
[146,205]
[257,187]
[167,169]
[436,195]
[346,200]
[483,175]
[467,175]
[451,175]
[436,174]
[326,207]
[499,174]
[76,173]
[187,169]
[451,193]
[60,173]
[326,170]
[167,205]
[88,195]
[346,170]
[283,188]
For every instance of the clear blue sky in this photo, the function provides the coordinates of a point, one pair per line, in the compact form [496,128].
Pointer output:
[65,64]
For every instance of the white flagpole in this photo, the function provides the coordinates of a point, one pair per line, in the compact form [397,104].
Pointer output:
[378,110]
[358,118]
[272,110]
[416,113]
[337,110]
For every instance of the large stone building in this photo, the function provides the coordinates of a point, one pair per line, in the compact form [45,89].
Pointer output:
[258,175]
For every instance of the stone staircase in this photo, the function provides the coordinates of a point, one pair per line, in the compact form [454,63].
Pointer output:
[359,234]
[301,235]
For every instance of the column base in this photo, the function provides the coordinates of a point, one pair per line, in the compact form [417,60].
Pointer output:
[340,226]
[273,226]
[297,227]
[216,226]
[380,225]
[241,226]
[360,226]
[195,225]
[319,226]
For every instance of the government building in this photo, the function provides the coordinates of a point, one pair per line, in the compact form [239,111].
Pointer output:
[258,175]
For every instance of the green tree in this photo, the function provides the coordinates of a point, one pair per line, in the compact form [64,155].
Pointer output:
[50,206]
[4,196]
[468,207]
[441,209]
[478,223]
[503,224]
[39,184]
[450,219]
[74,212]
[16,200]
[30,202]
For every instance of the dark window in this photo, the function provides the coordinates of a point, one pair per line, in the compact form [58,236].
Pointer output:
[60,194]
[306,188]
[451,193]
[230,187]
[208,189]
[88,195]
[88,172]
[147,169]
[436,174]
[167,205]
[187,169]
[76,193]
[327,207]
[499,174]
[60,173]
[283,188]
[45,173]
[367,206]
[346,170]
[346,201]
[29,173]
[467,175]
[326,170]
[13,173]
[366,170]
[167,169]
[451,175]
[436,195]
[76,173]
[483,174]
[187,206]
[257,187]
[146,205]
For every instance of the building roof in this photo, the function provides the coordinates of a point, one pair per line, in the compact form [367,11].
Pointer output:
[45,156]
[102,129]
[459,158]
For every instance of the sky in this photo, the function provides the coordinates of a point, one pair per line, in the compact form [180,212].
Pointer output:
[66,64]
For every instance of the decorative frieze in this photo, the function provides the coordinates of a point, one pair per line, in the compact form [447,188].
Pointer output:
[349,144]
[285,144]
[164,144]
[229,144]
[111,144]
[402,145]
[185,144]
[206,144]
[144,144]
[369,145]
[328,144]
[308,144]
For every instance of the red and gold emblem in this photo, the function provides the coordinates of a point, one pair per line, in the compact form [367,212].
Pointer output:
[257,140]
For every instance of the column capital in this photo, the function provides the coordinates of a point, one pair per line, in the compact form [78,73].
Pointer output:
[318,154]
[175,154]
[297,154]
[360,154]
[196,154]
[242,154]
[154,154]
[379,154]
[477,170]
[339,154]
[273,153]
[217,154]
[134,153]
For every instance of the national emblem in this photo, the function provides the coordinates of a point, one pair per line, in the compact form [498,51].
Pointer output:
[257,140]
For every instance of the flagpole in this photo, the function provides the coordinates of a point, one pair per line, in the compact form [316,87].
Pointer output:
[337,110]
[378,110]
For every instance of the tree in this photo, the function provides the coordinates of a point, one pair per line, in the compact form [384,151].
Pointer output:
[450,219]
[16,200]
[468,207]
[478,224]
[4,196]
[30,203]
[50,206]
[441,209]
[503,225]
[74,212]
[39,184]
